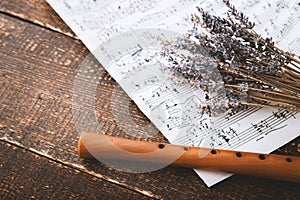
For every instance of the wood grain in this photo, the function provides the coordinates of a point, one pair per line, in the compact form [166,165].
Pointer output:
[40,177]
[37,72]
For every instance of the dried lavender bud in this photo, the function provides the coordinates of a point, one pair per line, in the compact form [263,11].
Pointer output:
[191,64]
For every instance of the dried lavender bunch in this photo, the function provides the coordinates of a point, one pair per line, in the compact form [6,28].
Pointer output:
[254,71]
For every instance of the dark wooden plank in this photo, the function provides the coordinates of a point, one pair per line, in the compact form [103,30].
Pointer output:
[38,69]
[41,178]
[37,12]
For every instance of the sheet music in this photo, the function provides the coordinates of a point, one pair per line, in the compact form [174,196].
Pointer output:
[173,107]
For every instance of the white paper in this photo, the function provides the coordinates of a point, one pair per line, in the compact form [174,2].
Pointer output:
[173,108]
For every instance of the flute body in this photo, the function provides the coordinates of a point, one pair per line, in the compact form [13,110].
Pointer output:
[280,167]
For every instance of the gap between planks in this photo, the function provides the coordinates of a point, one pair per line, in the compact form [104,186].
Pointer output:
[38,23]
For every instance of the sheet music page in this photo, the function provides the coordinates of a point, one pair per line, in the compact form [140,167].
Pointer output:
[173,107]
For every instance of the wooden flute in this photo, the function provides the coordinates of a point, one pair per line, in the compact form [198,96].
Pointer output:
[93,145]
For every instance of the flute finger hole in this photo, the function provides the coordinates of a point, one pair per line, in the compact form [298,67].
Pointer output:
[213,151]
[238,154]
[288,159]
[161,146]
[261,157]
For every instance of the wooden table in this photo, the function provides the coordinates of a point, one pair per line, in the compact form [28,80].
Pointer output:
[40,57]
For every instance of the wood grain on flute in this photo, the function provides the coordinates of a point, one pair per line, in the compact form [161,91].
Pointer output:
[264,165]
